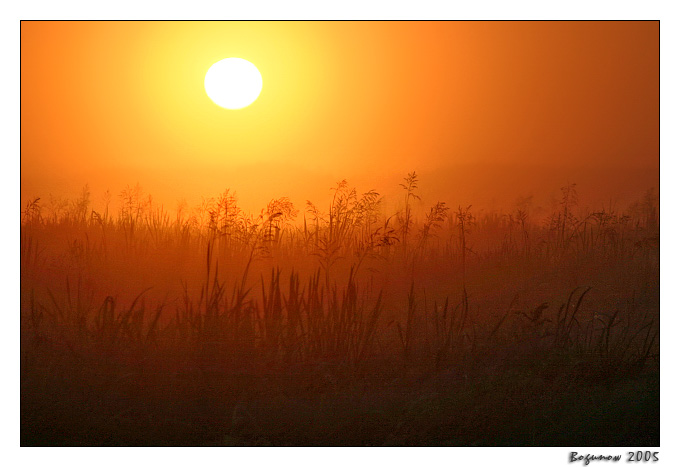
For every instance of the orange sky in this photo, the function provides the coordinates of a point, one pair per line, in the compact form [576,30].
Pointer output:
[483,111]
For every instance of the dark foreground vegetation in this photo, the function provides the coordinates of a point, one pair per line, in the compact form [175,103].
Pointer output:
[339,326]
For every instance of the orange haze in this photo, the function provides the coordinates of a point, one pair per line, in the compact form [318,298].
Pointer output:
[483,111]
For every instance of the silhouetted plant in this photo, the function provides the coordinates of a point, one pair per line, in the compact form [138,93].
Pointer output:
[410,185]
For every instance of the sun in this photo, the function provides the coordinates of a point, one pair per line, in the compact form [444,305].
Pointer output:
[233,83]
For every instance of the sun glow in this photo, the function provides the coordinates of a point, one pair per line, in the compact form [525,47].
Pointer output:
[233,83]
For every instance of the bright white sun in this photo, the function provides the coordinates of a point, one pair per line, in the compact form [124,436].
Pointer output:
[233,83]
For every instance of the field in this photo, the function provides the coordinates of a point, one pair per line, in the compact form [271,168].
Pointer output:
[347,323]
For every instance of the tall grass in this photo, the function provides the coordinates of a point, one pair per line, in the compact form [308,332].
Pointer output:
[182,320]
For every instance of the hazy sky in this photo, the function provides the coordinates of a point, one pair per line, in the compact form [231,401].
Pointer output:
[483,111]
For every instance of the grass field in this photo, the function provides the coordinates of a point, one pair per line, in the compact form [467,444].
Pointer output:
[342,324]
